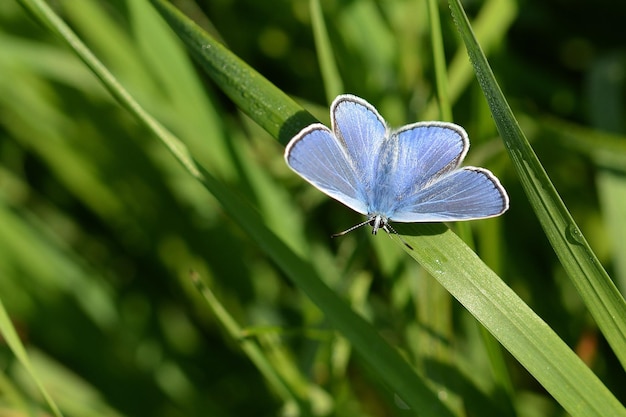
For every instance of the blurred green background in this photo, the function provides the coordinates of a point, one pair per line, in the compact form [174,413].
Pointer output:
[101,229]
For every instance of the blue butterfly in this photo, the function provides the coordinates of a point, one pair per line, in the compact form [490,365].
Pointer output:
[406,175]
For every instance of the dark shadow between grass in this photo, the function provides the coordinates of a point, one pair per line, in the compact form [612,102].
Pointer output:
[294,124]
[420,229]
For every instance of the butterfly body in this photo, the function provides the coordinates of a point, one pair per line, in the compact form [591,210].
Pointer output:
[406,175]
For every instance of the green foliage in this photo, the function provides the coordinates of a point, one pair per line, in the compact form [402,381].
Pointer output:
[198,278]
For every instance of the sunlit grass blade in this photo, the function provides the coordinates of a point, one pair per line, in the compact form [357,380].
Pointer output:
[272,109]
[437,298]
[388,364]
[328,66]
[12,339]
[439,59]
[594,285]
[178,80]
[522,332]
[512,322]
[495,351]
[490,26]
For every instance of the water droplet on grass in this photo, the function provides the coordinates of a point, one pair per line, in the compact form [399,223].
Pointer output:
[574,235]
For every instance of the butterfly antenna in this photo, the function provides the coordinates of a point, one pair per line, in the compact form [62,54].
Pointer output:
[351,229]
[390,230]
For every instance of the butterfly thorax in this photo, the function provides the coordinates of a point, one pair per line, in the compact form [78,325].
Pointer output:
[378,221]
[386,188]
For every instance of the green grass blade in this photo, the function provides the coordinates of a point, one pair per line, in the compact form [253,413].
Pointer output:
[594,285]
[458,269]
[328,66]
[509,319]
[439,59]
[612,190]
[12,339]
[276,112]
[437,298]
[495,351]
[388,364]
[467,278]
[50,20]
[490,26]
[251,349]
[608,151]
[512,322]
[177,79]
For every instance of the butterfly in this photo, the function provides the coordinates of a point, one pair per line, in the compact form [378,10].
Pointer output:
[405,175]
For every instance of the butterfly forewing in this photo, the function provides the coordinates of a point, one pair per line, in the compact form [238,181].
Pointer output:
[361,130]
[428,150]
[412,158]
[317,156]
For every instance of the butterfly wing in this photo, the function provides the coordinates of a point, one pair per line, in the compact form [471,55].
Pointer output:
[340,163]
[420,180]
[466,194]
[318,157]
[410,175]
[361,131]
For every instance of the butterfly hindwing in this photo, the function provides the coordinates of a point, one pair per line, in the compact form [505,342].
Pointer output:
[465,194]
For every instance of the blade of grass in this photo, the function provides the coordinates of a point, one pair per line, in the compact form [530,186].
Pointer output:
[611,180]
[599,293]
[330,74]
[469,280]
[272,109]
[177,79]
[439,59]
[465,276]
[10,336]
[388,364]
[251,349]
[437,298]
[495,354]
[608,152]
[511,321]
[492,22]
